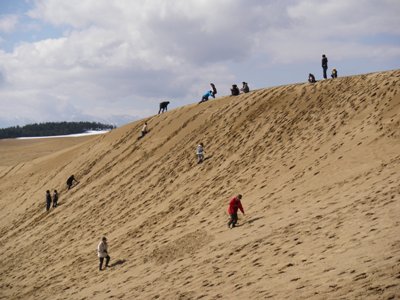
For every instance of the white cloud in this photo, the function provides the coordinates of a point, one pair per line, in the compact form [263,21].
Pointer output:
[122,57]
[8,23]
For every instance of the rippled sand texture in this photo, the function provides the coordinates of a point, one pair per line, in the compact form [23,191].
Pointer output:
[318,166]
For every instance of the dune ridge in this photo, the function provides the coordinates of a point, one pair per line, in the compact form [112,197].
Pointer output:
[317,164]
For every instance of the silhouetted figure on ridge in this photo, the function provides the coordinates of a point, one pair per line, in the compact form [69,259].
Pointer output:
[245,88]
[163,107]
[235,90]
[334,73]
[311,78]
[214,89]
[324,63]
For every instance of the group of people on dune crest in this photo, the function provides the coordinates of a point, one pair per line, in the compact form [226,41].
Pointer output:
[324,64]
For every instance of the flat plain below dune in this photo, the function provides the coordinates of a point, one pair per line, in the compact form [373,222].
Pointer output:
[318,166]
[16,151]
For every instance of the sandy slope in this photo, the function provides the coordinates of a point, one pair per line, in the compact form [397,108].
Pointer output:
[319,168]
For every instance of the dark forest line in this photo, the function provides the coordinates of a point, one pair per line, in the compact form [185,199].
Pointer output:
[51,129]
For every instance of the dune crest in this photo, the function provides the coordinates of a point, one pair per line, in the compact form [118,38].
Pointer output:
[319,169]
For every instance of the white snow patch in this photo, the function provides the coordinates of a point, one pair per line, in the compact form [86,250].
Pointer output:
[89,132]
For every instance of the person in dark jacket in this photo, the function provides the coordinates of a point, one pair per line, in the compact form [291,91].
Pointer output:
[48,200]
[234,206]
[324,65]
[311,78]
[55,198]
[163,107]
[235,90]
[245,88]
[214,89]
[334,73]
[71,180]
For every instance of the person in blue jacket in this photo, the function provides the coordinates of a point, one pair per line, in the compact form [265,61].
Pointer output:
[206,96]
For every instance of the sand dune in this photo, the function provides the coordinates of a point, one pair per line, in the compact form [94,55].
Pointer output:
[319,169]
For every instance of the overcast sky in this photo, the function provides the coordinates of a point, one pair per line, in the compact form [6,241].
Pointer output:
[115,60]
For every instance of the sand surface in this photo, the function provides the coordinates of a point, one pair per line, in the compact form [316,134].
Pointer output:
[15,151]
[318,166]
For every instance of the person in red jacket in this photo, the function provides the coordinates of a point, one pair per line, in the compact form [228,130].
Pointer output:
[234,205]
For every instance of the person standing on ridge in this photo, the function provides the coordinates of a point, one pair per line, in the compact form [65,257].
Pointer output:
[55,198]
[214,89]
[324,65]
[200,153]
[48,200]
[234,206]
[102,252]
[70,181]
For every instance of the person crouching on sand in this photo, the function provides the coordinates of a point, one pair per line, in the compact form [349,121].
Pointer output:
[102,252]
[311,78]
[234,206]
[70,181]
[334,73]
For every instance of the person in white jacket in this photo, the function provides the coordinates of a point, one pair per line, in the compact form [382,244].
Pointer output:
[102,252]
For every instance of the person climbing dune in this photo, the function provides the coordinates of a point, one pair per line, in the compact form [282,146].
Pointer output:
[206,96]
[55,198]
[234,205]
[144,131]
[70,181]
[48,200]
[102,252]
[163,106]
[200,153]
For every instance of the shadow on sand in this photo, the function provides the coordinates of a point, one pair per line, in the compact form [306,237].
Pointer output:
[249,221]
[118,262]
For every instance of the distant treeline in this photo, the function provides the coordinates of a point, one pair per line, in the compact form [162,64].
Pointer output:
[51,128]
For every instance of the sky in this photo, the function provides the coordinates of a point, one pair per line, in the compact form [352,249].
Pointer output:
[115,61]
